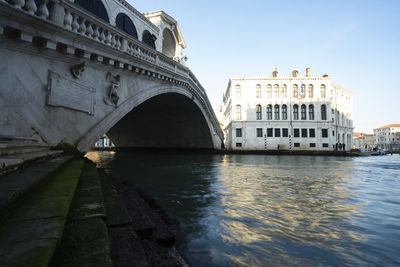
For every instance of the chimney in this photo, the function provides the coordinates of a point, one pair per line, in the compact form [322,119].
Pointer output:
[275,73]
[307,72]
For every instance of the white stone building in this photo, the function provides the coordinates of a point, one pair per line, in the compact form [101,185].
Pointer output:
[388,137]
[363,140]
[287,113]
[104,142]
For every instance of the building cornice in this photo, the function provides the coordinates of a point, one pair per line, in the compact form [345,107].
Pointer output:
[282,79]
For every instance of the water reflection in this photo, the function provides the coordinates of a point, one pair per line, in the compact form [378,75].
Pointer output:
[274,210]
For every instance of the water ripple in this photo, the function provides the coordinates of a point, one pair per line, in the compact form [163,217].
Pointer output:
[255,210]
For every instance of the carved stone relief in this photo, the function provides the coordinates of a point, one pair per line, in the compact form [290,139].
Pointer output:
[112,94]
[78,69]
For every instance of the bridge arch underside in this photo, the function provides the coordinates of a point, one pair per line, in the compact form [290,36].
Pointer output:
[169,120]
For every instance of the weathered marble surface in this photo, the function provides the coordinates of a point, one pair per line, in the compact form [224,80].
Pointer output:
[119,74]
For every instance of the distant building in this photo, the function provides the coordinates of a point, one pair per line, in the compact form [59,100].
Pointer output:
[104,142]
[363,140]
[388,137]
[287,113]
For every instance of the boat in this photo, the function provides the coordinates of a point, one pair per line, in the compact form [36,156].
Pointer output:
[359,152]
[379,152]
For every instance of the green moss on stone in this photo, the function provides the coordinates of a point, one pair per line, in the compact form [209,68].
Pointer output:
[84,243]
[29,234]
[69,149]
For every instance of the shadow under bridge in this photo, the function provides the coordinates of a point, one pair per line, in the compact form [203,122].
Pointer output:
[169,120]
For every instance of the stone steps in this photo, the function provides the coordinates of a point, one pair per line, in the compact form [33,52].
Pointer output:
[126,246]
[20,147]
[138,233]
[29,232]
[15,151]
[12,162]
[85,239]
[10,145]
[144,215]
[14,186]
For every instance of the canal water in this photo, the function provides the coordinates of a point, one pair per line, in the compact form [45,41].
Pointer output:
[263,210]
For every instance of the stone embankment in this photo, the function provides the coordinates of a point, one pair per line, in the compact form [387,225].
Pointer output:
[64,212]
[284,152]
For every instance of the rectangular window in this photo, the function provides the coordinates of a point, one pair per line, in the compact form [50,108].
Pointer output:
[238,132]
[259,132]
[285,132]
[296,132]
[238,144]
[312,132]
[325,145]
[325,133]
[269,132]
[277,132]
[333,133]
[312,144]
[296,144]
[303,132]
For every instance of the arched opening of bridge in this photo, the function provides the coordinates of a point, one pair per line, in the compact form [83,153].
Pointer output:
[168,120]
[169,44]
[94,6]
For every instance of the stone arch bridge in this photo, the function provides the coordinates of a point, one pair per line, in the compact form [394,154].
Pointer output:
[70,73]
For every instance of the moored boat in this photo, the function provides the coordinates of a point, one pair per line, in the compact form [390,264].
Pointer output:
[358,152]
[379,152]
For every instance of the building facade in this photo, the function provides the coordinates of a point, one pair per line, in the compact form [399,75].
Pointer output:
[287,113]
[363,140]
[388,137]
[104,142]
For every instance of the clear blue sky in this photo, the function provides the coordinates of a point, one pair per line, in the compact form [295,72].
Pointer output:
[356,42]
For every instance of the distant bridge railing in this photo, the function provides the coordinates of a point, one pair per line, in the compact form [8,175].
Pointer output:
[72,18]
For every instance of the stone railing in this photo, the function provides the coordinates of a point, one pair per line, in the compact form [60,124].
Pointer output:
[72,18]
[30,7]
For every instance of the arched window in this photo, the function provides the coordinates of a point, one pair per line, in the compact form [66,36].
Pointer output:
[302,92]
[125,23]
[238,91]
[303,112]
[284,112]
[94,6]
[269,112]
[295,112]
[323,91]
[238,112]
[311,112]
[258,91]
[269,91]
[149,39]
[168,43]
[323,112]
[258,112]
[295,91]
[310,91]
[276,112]
[284,91]
[276,90]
